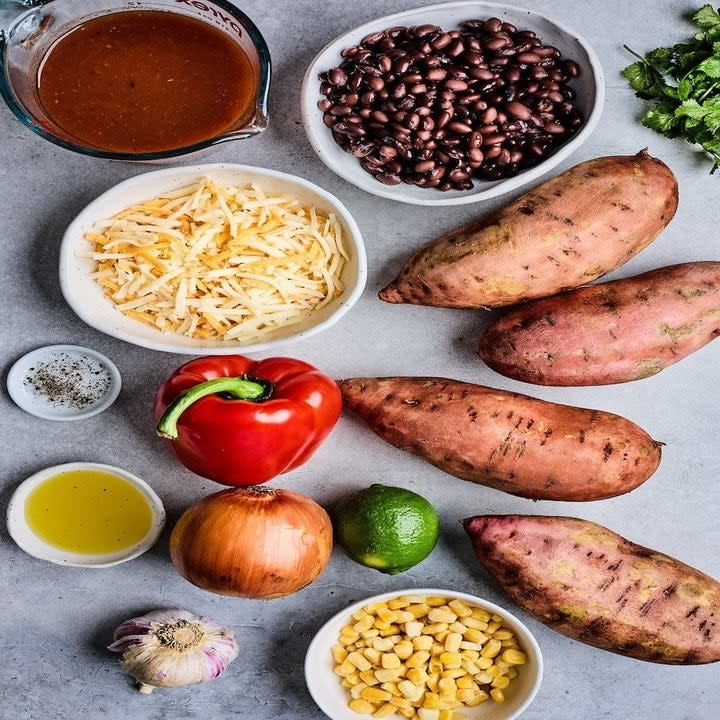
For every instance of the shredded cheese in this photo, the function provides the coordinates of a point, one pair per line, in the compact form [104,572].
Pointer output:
[219,263]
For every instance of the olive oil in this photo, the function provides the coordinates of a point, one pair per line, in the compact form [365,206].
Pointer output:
[88,511]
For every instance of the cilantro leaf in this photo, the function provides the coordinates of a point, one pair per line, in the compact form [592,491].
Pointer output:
[682,83]
[710,66]
[706,17]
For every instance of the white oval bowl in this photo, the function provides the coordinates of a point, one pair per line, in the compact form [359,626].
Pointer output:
[35,404]
[86,297]
[589,86]
[332,698]
[28,541]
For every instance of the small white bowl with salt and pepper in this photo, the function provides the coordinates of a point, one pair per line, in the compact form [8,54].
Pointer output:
[64,382]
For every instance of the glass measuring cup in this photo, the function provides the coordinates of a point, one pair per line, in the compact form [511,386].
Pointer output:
[29,29]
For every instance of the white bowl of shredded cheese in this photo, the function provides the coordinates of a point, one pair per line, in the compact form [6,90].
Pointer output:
[215,258]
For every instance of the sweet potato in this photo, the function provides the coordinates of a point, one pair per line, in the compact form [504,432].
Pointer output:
[565,233]
[611,332]
[519,444]
[592,585]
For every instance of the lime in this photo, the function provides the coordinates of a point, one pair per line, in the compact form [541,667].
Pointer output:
[387,528]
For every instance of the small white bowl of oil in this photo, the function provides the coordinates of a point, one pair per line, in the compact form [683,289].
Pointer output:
[85,515]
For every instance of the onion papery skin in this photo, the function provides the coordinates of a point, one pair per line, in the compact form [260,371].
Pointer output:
[252,542]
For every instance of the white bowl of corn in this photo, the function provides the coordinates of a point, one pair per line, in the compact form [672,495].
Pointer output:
[423,654]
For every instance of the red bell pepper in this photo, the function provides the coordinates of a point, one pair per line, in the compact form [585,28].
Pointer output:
[242,422]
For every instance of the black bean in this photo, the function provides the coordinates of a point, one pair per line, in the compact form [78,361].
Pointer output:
[434,108]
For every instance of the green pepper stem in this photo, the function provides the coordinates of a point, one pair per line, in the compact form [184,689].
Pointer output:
[238,388]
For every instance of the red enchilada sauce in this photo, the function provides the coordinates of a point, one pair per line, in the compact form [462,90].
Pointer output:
[146,81]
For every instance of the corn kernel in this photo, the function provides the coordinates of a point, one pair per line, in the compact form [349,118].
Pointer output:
[428,714]
[368,677]
[384,675]
[435,666]
[437,649]
[362,706]
[360,662]
[418,676]
[432,701]
[512,673]
[453,673]
[403,616]
[484,678]
[472,622]
[503,634]
[419,610]
[390,660]
[381,624]
[413,629]
[417,659]
[493,627]
[346,683]
[475,636]
[514,657]
[442,615]
[353,679]
[344,669]
[339,653]
[451,659]
[410,690]
[382,644]
[391,687]
[491,649]
[387,615]
[484,663]
[365,624]
[424,642]
[392,631]
[384,711]
[375,695]
[359,614]
[447,687]
[460,608]
[470,667]
[471,655]
[407,712]
[479,697]
[400,702]
[501,682]
[497,695]
[448,715]
[457,627]
[452,641]
[481,614]
[371,655]
[466,695]
[466,683]
[371,633]
[355,690]
[404,649]
[398,602]
[347,641]
[434,628]
[494,671]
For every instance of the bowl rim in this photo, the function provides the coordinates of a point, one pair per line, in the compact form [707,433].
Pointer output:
[164,342]
[18,371]
[318,643]
[33,545]
[319,140]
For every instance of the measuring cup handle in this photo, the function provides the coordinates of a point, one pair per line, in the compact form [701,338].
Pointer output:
[10,9]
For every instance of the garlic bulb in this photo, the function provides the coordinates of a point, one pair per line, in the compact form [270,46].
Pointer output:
[173,648]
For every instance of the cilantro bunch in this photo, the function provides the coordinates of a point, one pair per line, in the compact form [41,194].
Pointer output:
[683,81]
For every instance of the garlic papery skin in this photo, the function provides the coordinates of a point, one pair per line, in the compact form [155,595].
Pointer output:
[173,648]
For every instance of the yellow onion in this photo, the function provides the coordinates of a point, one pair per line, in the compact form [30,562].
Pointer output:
[252,542]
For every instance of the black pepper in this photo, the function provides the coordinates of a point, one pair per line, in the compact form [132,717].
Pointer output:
[69,382]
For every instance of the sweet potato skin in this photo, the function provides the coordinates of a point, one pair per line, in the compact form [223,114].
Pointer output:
[515,443]
[593,585]
[564,233]
[611,332]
